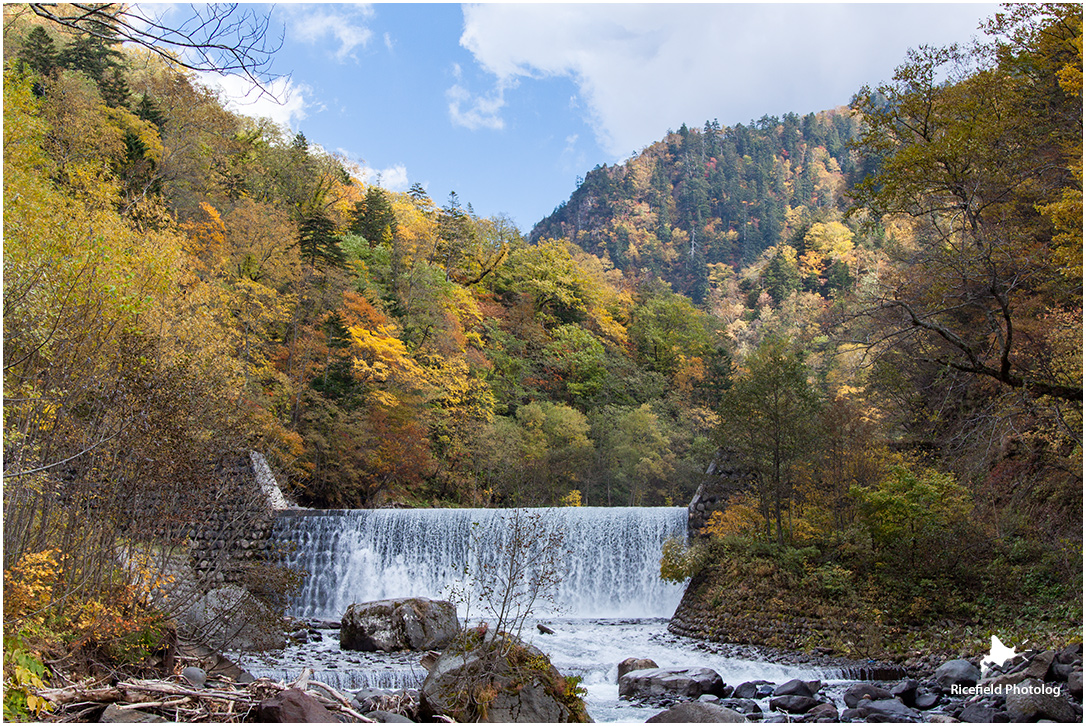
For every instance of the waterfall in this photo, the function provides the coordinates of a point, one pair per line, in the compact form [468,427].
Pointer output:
[610,569]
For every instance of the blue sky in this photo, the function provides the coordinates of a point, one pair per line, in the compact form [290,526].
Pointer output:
[507,104]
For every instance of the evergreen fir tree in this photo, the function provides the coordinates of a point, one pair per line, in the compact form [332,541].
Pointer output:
[335,381]
[373,217]
[318,241]
[114,88]
[148,110]
[39,52]
[99,60]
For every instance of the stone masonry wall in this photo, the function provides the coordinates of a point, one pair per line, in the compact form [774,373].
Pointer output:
[236,530]
[725,476]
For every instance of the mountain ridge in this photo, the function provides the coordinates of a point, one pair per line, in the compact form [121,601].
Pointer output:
[700,197]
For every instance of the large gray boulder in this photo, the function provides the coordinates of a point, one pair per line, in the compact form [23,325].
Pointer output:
[293,706]
[864,691]
[697,712]
[230,618]
[956,673]
[1074,684]
[1070,654]
[1033,699]
[654,683]
[793,703]
[823,710]
[978,713]
[400,624]
[482,686]
[796,687]
[888,710]
[754,689]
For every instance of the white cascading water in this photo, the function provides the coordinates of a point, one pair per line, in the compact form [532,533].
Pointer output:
[611,569]
[613,604]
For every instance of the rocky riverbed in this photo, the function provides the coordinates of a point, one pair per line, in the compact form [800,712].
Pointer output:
[758,684]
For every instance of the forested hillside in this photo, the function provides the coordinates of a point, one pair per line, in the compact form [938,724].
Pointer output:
[877,308]
[715,196]
[379,347]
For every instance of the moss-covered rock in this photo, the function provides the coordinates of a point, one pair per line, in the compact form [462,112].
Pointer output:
[500,680]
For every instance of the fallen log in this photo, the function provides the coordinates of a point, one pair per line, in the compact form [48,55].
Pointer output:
[76,692]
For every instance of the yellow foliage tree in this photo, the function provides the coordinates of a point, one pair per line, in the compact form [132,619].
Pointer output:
[742,516]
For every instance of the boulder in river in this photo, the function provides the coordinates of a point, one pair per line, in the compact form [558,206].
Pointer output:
[823,710]
[1074,684]
[796,687]
[656,683]
[793,703]
[635,664]
[500,680]
[400,624]
[958,672]
[886,710]
[1033,699]
[864,691]
[696,712]
[753,689]
[1070,654]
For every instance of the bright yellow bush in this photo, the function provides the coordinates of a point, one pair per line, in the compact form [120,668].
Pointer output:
[28,589]
[741,517]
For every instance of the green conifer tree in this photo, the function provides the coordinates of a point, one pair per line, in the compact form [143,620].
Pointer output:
[39,52]
[319,242]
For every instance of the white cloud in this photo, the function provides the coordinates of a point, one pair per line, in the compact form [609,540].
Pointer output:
[476,112]
[393,178]
[343,24]
[641,69]
[284,101]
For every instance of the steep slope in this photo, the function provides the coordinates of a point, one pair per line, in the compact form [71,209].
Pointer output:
[718,195]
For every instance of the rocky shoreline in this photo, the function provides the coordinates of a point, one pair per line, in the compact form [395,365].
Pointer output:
[1028,687]
[1032,686]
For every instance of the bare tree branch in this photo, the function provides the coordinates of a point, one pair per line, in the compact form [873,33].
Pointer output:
[217,37]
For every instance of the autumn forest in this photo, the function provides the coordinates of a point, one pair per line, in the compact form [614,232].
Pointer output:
[877,307]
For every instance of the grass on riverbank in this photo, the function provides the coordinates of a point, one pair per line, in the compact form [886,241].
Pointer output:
[819,598]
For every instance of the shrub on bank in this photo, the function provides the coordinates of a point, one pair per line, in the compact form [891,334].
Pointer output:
[906,554]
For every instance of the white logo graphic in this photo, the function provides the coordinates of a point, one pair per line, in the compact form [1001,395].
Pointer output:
[1000,654]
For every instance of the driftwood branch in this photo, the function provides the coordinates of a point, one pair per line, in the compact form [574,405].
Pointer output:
[221,702]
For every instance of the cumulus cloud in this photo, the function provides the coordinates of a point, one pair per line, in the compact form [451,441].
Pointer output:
[344,25]
[474,111]
[283,101]
[641,69]
[393,178]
